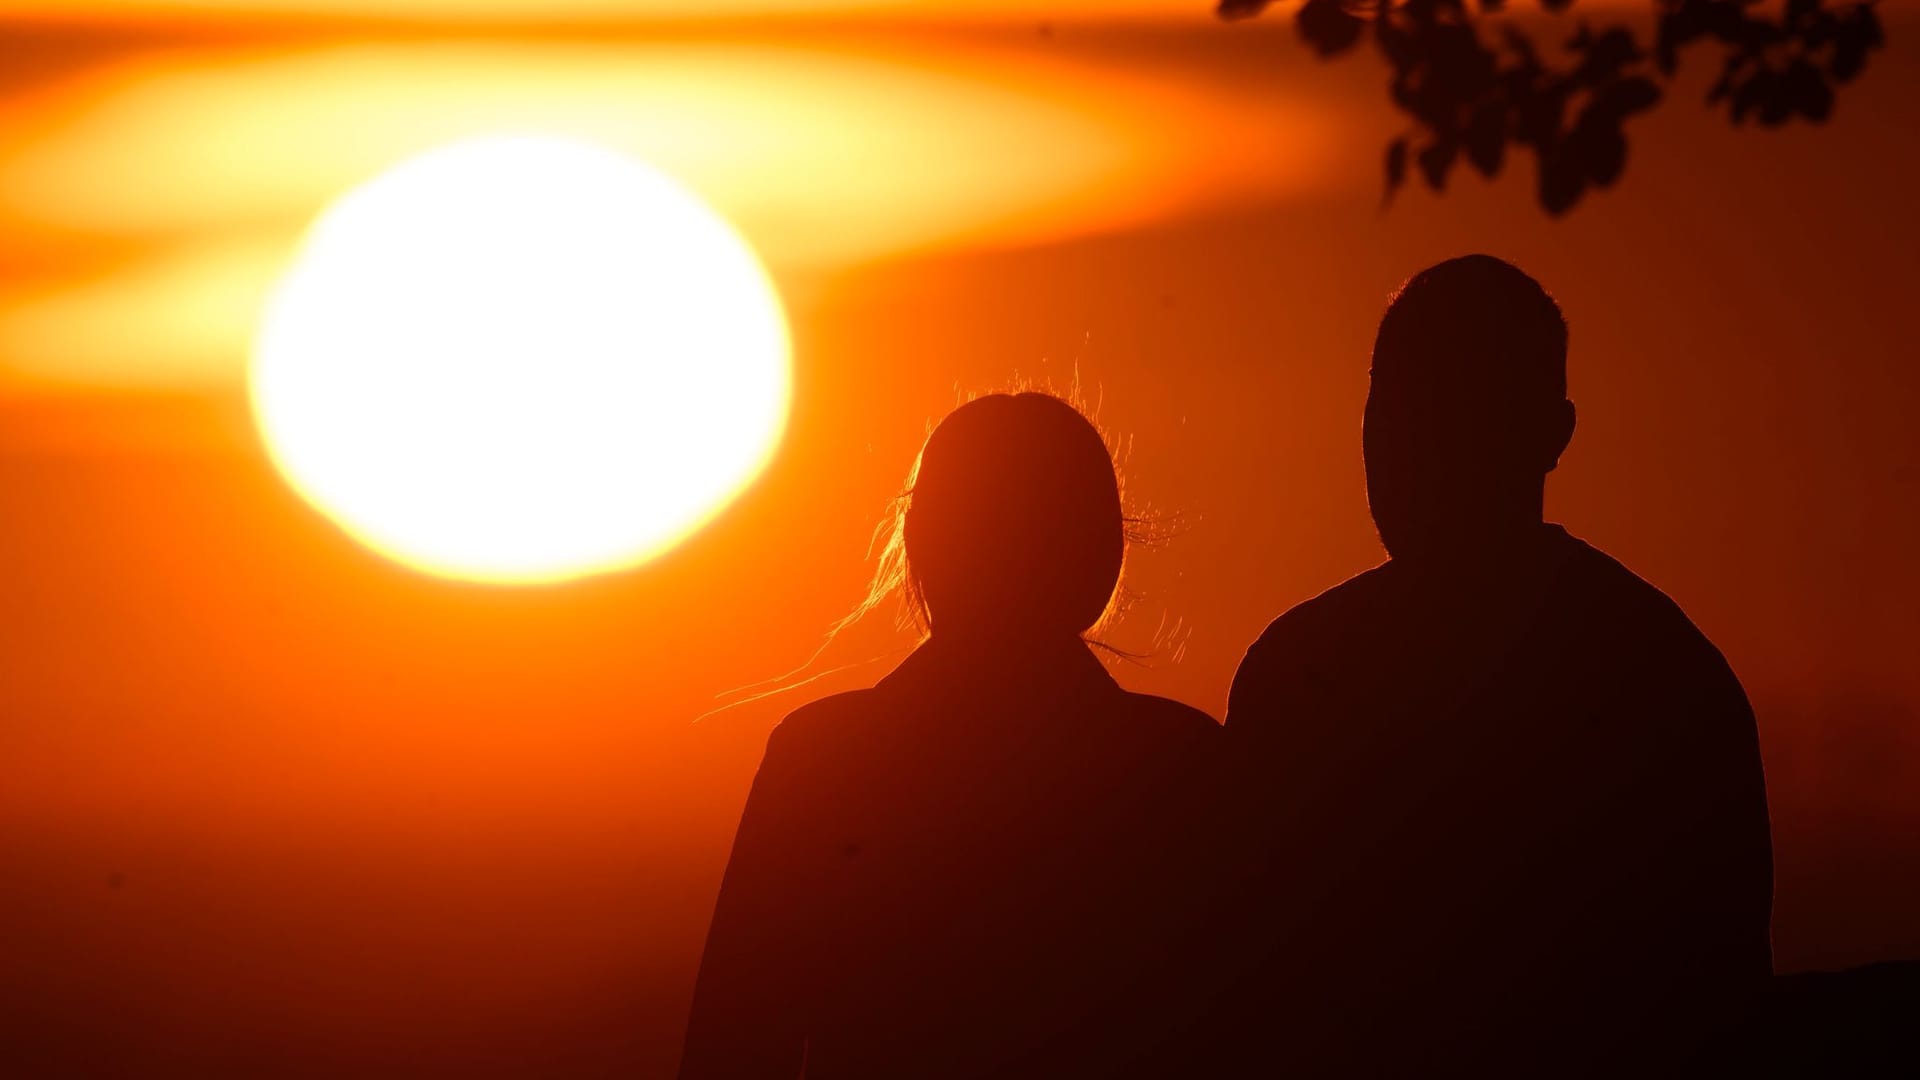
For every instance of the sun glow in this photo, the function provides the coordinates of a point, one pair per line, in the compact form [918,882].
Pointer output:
[522,359]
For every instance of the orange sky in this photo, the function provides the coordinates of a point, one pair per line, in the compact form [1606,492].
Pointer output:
[1004,147]
[602,10]
[272,805]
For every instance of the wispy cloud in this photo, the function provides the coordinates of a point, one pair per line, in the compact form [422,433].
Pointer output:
[187,175]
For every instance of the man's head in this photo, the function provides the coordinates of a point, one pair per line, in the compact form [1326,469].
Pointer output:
[1468,409]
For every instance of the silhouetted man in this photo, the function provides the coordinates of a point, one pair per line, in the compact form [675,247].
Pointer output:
[1506,808]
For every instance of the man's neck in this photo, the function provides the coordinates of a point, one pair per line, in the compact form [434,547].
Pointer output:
[1493,553]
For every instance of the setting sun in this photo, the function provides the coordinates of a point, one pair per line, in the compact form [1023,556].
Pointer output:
[520,360]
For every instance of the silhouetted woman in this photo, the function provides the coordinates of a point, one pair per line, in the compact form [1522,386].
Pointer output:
[974,868]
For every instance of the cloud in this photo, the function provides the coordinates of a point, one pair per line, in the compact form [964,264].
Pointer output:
[212,162]
[607,10]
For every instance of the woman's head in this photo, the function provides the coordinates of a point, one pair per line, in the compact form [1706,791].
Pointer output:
[1011,524]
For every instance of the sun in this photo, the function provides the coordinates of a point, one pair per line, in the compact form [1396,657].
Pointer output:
[522,359]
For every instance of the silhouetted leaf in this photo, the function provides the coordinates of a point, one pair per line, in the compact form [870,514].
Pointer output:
[1776,96]
[1666,55]
[1327,27]
[1747,96]
[1629,96]
[1849,58]
[1521,46]
[1402,51]
[1808,90]
[1868,19]
[1396,165]
[1602,148]
[1487,138]
[1240,9]
[1540,117]
[1856,33]
[1607,52]
[1435,160]
[1562,179]
[1475,83]
[1679,25]
[1724,86]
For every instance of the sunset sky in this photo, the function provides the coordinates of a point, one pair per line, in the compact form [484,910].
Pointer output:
[272,803]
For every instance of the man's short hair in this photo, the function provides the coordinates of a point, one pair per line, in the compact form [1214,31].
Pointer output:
[1479,323]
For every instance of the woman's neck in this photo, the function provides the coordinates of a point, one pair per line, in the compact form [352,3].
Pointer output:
[1007,643]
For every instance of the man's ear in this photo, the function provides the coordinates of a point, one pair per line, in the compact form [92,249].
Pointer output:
[1558,434]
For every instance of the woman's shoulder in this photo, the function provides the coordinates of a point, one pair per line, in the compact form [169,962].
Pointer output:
[832,717]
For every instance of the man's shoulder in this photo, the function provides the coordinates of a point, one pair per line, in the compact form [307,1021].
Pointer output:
[1310,639]
[1357,600]
[1637,621]
[1604,584]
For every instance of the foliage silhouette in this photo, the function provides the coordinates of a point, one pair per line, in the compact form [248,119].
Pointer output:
[1474,82]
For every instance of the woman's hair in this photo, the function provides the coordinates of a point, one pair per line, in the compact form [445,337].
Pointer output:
[1011,515]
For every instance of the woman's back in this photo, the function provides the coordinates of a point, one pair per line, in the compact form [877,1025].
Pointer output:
[983,866]
[966,871]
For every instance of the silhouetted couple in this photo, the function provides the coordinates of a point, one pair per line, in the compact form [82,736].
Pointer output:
[1493,807]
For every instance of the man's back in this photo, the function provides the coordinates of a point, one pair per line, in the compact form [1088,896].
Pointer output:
[1500,817]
